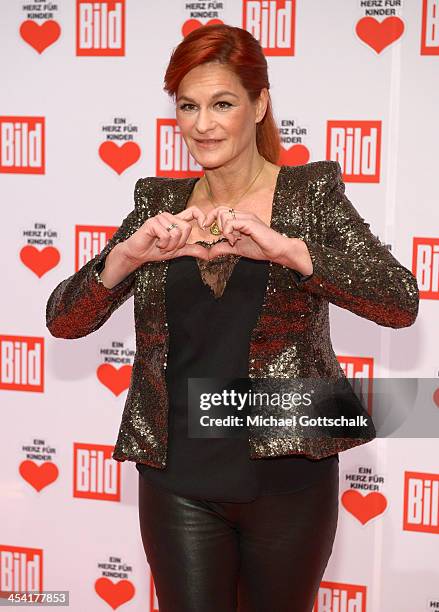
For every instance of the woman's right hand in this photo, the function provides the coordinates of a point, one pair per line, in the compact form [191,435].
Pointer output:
[153,242]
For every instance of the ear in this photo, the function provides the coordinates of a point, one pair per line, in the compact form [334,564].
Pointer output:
[261,105]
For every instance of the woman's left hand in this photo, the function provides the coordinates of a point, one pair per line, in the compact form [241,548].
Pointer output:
[248,236]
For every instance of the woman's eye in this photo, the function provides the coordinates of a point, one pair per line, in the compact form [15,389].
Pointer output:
[184,106]
[228,104]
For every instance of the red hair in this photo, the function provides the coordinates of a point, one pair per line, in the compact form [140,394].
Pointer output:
[243,54]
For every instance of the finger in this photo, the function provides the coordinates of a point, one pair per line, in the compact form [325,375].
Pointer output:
[222,248]
[235,236]
[195,250]
[170,240]
[193,212]
[228,229]
[212,215]
[159,231]
[177,235]
[185,227]
[234,228]
[225,215]
[228,224]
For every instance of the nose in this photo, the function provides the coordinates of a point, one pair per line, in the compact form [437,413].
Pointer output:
[204,121]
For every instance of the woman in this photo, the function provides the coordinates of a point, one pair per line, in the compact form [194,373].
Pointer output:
[232,275]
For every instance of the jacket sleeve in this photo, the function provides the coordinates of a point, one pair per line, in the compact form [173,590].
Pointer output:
[352,268]
[81,304]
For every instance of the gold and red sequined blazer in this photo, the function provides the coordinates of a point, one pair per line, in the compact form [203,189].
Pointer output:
[291,338]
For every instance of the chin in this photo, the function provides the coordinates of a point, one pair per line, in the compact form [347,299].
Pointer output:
[210,164]
[211,161]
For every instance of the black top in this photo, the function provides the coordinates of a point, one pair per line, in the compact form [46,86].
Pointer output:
[209,337]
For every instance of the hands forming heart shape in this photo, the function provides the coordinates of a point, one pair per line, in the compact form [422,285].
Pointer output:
[244,234]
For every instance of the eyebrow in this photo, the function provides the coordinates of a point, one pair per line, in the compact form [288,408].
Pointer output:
[218,94]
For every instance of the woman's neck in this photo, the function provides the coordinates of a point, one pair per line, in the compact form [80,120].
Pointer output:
[226,184]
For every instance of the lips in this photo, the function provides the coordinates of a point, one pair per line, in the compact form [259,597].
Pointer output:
[208,143]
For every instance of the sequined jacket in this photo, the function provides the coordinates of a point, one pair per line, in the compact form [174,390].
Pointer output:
[291,338]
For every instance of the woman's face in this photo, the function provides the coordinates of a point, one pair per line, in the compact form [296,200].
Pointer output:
[215,115]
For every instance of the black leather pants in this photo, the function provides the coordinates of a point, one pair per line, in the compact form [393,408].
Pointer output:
[267,555]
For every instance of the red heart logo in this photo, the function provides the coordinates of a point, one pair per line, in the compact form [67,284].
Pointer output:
[436,397]
[295,156]
[193,24]
[38,475]
[364,507]
[379,35]
[117,380]
[115,594]
[39,262]
[119,157]
[40,36]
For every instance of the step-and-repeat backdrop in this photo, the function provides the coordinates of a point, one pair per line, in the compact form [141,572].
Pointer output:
[83,115]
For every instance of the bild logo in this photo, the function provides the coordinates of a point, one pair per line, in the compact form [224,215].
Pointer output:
[339,597]
[271,22]
[430,27]
[359,370]
[90,240]
[21,569]
[426,267]
[22,144]
[173,158]
[100,27]
[356,145]
[22,363]
[421,502]
[95,474]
